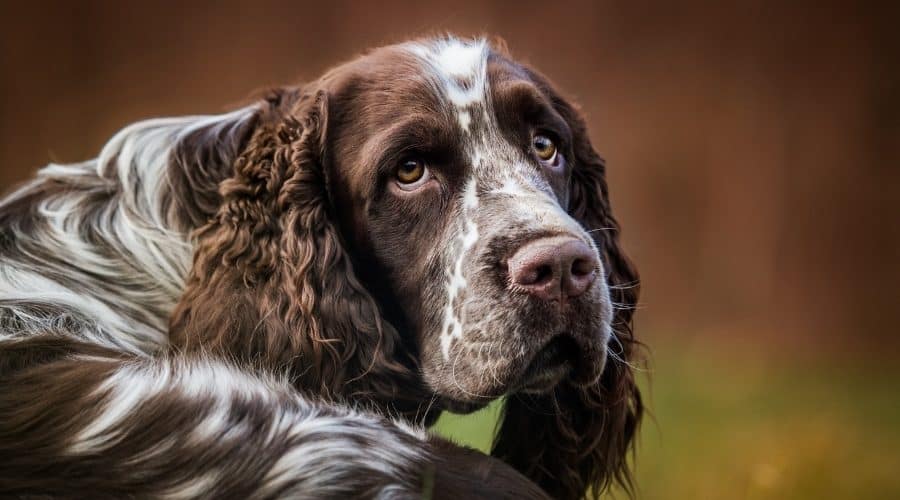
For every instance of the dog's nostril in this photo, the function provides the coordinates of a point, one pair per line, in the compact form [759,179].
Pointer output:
[542,274]
[582,267]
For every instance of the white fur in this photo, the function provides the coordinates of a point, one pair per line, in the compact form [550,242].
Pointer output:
[510,187]
[195,487]
[322,452]
[458,58]
[465,119]
[327,450]
[110,232]
[452,328]
[460,67]
[120,394]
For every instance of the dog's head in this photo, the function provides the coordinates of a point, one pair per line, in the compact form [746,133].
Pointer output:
[431,219]
[452,178]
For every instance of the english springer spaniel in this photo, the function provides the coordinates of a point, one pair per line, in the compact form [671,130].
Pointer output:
[277,301]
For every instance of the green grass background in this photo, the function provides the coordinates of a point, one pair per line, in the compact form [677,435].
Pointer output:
[742,426]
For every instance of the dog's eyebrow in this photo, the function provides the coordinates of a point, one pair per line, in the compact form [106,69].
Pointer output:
[420,134]
[521,99]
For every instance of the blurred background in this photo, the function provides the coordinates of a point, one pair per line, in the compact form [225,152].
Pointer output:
[754,162]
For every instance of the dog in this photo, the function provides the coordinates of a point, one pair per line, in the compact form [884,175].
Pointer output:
[277,301]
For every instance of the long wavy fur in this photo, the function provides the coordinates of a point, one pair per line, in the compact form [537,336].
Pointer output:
[272,284]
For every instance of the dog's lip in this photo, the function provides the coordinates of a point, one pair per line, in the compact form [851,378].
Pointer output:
[462,407]
[546,379]
[554,361]
[562,357]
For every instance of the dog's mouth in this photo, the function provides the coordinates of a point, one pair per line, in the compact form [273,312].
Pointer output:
[556,360]
[560,359]
[565,358]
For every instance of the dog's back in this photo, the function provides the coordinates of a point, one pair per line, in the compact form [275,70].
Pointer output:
[98,250]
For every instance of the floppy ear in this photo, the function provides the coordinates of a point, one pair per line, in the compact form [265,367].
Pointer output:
[271,281]
[576,440]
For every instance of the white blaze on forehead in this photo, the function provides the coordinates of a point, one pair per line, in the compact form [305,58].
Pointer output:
[458,58]
[460,69]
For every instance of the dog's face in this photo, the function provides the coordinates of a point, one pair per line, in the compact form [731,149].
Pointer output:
[450,169]
[427,220]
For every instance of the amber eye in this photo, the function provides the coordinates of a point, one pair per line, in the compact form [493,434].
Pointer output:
[411,173]
[544,147]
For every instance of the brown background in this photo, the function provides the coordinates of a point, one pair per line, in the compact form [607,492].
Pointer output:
[754,149]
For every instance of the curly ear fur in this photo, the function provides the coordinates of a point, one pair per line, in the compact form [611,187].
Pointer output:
[271,282]
[576,440]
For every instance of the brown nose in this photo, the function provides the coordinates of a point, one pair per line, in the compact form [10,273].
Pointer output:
[554,268]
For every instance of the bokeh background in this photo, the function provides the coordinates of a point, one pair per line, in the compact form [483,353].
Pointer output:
[754,162]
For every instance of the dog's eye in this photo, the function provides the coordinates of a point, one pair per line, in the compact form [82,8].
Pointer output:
[411,174]
[544,148]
